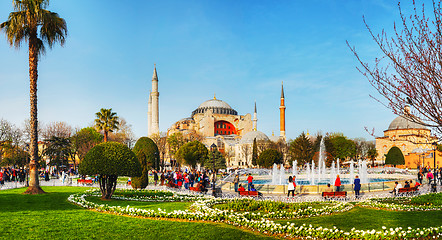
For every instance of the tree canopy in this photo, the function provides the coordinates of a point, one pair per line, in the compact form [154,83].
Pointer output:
[192,153]
[395,157]
[58,150]
[110,160]
[343,147]
[268,157]
[301,149]
[215,160]
[106,121]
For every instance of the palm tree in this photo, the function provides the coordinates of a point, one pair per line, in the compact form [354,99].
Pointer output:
[33,24]
[106,121]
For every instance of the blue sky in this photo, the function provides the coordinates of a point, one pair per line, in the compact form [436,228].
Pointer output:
[240,50]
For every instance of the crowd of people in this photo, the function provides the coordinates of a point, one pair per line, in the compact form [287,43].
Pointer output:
[201,180]
[432,176]
[12,175]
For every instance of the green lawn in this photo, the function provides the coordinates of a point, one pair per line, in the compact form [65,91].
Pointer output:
[51,216]
[168,206]
[367,219]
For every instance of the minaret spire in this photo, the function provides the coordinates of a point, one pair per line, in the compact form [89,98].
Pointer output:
[282,113]
[255,119]
[154,112]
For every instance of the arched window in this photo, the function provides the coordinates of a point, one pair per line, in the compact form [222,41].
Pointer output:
[222,126]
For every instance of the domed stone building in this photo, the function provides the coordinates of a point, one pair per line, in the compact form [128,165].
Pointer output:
[413,139]
[212,118]
[216,122]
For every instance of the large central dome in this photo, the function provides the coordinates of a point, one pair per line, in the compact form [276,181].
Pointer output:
[403,123]
[217,106]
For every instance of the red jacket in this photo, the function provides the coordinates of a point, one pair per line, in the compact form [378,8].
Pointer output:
[338,182]
[249,179]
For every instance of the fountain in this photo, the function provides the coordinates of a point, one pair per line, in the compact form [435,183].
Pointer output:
[278,175]
[295,168]
[316,173]
[352,172]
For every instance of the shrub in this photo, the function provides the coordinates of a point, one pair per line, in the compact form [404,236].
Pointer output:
[110,160]
[149,157]
[395,157]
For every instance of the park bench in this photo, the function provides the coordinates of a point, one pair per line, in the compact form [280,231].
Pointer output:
[250,193]
[85,181]
[194,189]
[408,191]
[172,185]
[328,195]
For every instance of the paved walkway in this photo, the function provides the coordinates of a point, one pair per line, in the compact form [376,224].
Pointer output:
[226,194]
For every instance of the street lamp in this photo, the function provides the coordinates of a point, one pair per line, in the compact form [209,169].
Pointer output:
[433,185]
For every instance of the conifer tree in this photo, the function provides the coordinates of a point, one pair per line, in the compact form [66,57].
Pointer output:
[254,153]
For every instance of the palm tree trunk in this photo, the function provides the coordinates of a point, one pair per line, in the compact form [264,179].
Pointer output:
[105,136]
[34,186]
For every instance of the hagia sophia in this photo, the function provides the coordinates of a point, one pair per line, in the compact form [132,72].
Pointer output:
[218,123]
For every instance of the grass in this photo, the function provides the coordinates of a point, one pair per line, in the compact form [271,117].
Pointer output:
[367,219]
[50,216]
[168,206]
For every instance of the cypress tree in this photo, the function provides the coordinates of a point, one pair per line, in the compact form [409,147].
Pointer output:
[255,153]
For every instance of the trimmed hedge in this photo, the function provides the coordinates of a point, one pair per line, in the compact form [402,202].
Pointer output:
[110,158]
[148,156]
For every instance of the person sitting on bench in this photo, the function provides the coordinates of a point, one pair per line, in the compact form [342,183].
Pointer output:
[252,188]
[328,188]
[241,188]
[416,185]
[396,188]
[201,187]
[407,184]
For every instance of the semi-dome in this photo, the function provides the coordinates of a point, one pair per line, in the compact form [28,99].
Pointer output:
[402,123]
[274,138]
[217,106]
[250,136]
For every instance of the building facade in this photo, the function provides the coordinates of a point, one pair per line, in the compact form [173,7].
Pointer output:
[413,139]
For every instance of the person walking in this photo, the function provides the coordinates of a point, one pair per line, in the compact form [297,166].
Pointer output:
[338,183]
[236,182]
[2,181]
[290,187]
[357,186]
[420,176]
[430,177]
[155,177]
[249,181]
[162,178]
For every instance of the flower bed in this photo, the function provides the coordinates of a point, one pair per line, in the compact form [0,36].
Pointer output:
[202,210]
[427,202]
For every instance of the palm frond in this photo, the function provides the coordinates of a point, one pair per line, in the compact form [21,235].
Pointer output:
[16,28]
[53,29]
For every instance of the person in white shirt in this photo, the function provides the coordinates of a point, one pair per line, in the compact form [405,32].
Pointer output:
[396,188]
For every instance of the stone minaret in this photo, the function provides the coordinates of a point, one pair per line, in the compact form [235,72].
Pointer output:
[154,112]
[255,120]
[149,115]
[282,113]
